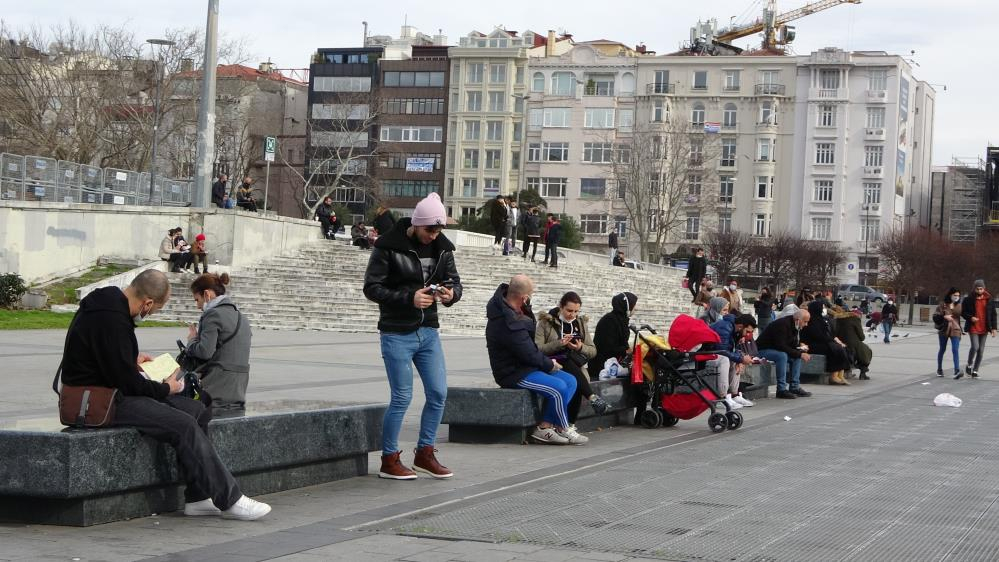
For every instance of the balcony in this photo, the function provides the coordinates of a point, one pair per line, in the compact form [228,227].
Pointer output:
[766,127]
[770,89]
[660,89]
[874,133]
[877,96]
[828,94]
[875,172]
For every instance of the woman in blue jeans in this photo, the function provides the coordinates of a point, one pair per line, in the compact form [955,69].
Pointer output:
[950,310]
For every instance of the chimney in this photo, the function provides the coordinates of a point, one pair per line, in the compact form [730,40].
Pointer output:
[550,44]
[640,48]
[186,65]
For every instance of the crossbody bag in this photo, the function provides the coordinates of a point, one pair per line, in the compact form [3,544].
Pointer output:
[83,406]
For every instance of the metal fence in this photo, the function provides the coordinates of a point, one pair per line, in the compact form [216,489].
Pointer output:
[36,178]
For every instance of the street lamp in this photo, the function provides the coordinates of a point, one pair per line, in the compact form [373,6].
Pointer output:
[156,108]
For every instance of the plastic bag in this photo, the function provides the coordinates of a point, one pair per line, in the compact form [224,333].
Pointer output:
[612,370]
[947,399]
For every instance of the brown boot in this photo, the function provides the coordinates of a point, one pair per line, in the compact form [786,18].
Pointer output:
[425,461]
[393,468]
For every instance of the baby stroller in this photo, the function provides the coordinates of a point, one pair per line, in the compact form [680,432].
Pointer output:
[674,371]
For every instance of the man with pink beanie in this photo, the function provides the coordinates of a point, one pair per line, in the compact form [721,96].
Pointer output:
[411,269]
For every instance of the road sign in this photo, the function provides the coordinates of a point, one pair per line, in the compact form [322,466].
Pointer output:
[270,147]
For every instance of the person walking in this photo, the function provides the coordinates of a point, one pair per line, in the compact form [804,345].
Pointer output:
[697,269]
[512,223]
[554,236]
[410,271]
[949,329]
[889,315]
[497,218]
[612,243]
[532,232]
[980,320]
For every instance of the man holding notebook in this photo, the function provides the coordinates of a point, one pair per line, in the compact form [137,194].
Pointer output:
[101,350]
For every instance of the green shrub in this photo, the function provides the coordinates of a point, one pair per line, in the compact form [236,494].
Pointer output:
[11,289]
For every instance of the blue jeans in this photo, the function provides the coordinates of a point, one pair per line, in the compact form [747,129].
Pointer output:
[557,389]
[955,342]
[886,326]
[780,361]
[400,352]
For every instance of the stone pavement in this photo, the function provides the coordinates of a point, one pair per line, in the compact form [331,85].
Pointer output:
[867,472]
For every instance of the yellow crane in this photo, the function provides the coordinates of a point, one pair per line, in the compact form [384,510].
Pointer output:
[773,26]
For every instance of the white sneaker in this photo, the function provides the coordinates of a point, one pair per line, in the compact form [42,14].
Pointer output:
[744,401]
[732,403]
[574,437]
[203,507]
[246,509]
[549,435]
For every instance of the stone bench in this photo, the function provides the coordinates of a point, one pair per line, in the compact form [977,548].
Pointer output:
[508,415]
[814,370]
[60,476]
[763,378]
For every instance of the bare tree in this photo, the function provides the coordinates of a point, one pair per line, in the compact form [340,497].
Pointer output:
[729,251]
[664,174]
[773,256]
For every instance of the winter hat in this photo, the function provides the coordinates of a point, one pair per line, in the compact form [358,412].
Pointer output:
[200,237]
[979,283]
[430,212]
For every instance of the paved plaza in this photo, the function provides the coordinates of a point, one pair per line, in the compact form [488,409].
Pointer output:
[871,471]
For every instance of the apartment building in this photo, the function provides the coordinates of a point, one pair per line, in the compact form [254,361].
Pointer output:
[488,89]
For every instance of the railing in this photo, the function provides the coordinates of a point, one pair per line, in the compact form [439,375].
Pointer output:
[770,89]
[37,178]
[660,88]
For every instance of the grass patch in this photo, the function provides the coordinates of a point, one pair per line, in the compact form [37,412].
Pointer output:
[48,320]
[64,292]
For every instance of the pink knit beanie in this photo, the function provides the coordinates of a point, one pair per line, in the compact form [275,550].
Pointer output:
[430,212]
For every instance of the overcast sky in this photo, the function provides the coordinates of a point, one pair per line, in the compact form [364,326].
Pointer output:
[951,39]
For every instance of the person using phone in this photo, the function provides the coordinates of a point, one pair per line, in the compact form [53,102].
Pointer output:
[219,344]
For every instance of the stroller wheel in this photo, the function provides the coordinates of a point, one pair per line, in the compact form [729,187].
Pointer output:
[668,420]
[717,422]
[651,419]
[734,420]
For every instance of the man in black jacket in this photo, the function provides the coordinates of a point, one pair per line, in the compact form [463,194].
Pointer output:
[697,269]
[219,191]
[411,269]
[101,350]
[612,243]
[517,362]
[327,218]
[780,343]
[554,237]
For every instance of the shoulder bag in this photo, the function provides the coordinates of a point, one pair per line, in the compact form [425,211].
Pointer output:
[83,406]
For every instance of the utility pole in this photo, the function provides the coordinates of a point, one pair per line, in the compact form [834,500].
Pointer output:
[206,112]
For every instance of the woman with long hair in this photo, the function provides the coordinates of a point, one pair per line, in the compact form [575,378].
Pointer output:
[949,329]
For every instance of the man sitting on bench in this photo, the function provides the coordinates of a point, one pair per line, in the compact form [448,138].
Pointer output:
[101,350]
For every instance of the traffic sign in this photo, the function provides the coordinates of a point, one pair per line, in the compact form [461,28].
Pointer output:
[270,147]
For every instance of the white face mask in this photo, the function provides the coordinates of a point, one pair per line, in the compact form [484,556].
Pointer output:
[733,288]
[956,298]
[891,302]
[138,318]
[825,312]
[563,318]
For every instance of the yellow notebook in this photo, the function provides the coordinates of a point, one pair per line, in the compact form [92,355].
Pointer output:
[160,368]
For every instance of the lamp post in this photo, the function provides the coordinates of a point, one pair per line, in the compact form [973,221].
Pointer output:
[156,108]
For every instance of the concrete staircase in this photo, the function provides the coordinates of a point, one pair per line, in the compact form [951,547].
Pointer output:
[319,287]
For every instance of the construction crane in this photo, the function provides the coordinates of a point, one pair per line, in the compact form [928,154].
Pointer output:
[773,26]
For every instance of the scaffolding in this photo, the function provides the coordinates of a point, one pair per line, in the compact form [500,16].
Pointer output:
[967,192]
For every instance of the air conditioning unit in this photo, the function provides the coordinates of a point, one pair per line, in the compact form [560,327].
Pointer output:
[875,132]
[872,207]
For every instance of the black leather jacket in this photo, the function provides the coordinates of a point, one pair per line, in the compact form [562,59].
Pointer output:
[394,275]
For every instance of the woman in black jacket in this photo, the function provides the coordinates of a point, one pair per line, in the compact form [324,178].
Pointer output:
[613,339]
[764,307]
[821,341]
[889,315]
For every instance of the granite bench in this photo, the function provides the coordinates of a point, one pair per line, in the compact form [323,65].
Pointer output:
[60,476]
[508,415]
[814,370]
[763,378]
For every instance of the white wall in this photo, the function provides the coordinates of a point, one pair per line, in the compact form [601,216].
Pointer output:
[41,241]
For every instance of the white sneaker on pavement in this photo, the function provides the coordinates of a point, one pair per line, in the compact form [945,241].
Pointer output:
[549,436]
[574,437]
[732,403]
[203,507]
[246,509]
[744,401]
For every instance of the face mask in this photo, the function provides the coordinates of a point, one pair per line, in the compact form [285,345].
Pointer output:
[825,312]
[733,288]
[891,302]
[138,318]
[563,318]
[956,298]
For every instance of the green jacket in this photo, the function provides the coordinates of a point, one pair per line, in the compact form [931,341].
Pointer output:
[548,336]
[850,330]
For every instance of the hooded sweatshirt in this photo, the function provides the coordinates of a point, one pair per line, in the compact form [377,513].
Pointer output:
[611,335]
[510,341]
[101,349]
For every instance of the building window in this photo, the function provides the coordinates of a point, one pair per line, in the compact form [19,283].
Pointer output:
[769,78]
[599,86]
[496,101]
[593,224]
[767,116]
[728,147]
[557,117]
[697,115]
[397,160]
[497,73]
[625,119]
[534,152]
[555,151]
[515,160]
[471,160]
[726,189]
[599,119]
[518,105]
[875,117]
[553,187]
[598,152]
[413,79]
[475,72]
[494,159]
[534,184]
[694,182]
[414,106]
[870,229]
[409,188]
[622,154]
[765,150]
[725,222]
[340,112]
[534,119]
[538,82]
[468,212]
[821,228]
[517,131]
[823,192]
[658,111]
[761,225]
[696,152]
[732,80]
[872,193]
[693,226]
[347,195]
[878,79]
[700,79]
[341,84]
[593,188]
[829,79]
[473,130]
[520,75]
[563,84]
[661,85]
[825,153]
[764,187]
[469,187]
[874,155]
[356,139]
[494,130]
[827,116]
[729,116]
[473,101]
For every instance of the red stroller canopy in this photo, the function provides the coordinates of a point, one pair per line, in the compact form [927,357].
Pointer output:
[687,332]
